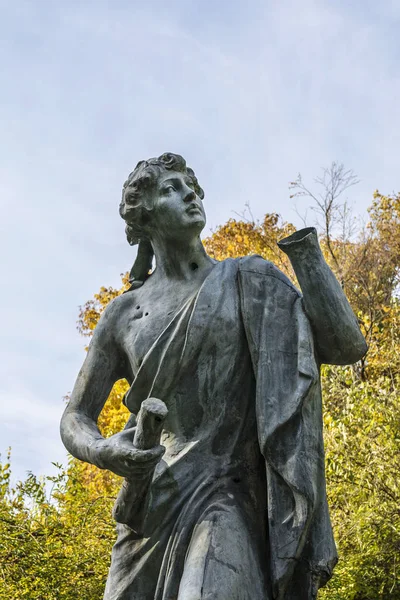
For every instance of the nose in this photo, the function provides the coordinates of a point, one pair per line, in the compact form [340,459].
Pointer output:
[189,196]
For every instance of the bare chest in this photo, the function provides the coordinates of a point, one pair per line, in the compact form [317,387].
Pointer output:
[150,313]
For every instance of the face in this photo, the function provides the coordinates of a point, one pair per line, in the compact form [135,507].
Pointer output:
[178,212]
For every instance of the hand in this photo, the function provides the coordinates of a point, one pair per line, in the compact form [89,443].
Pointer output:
[118,454]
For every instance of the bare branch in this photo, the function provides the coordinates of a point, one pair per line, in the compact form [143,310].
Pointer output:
[331,213]
[243,216]
[302,217]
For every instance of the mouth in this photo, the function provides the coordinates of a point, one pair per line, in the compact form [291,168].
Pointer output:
[193,208]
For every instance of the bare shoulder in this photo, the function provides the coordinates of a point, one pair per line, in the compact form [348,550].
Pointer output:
[113,317]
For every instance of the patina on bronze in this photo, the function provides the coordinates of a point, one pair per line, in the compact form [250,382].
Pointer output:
[234,496]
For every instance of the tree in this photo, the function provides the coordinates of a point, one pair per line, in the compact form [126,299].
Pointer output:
[55,544]
[244,237]
[362,424]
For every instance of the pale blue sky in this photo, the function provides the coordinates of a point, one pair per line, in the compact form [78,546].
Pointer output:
[251,93]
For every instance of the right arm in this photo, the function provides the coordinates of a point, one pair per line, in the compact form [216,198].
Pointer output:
[80,434]
[101,369]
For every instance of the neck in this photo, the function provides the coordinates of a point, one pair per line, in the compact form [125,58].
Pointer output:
[178,260]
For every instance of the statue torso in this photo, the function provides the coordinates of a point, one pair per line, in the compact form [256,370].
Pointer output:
[146,313]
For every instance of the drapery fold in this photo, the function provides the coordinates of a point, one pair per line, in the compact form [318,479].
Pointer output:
[289,422]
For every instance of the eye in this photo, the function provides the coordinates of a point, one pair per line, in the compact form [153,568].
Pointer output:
[168,189]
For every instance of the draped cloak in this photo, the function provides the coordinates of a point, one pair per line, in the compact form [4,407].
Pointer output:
[238,371]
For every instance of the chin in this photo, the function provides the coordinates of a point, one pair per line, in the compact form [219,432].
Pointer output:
[199,225]
[194,220]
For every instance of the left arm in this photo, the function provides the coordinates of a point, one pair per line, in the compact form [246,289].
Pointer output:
[336,331]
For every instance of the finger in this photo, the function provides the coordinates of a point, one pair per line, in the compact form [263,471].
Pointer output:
[140,468]
[127,435]
[145,456]
[131,422]
[142,460]
[141,465]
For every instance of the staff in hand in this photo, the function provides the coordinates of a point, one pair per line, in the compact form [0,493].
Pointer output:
[129,507]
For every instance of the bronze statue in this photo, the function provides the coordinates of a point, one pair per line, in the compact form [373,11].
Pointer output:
[231,505]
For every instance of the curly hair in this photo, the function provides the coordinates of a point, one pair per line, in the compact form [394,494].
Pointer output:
[138,201]
[137,198]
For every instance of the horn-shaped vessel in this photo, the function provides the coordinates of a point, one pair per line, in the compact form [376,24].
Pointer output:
[324,300]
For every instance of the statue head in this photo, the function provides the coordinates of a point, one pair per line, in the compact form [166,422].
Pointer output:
[143,188]
[161,197]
